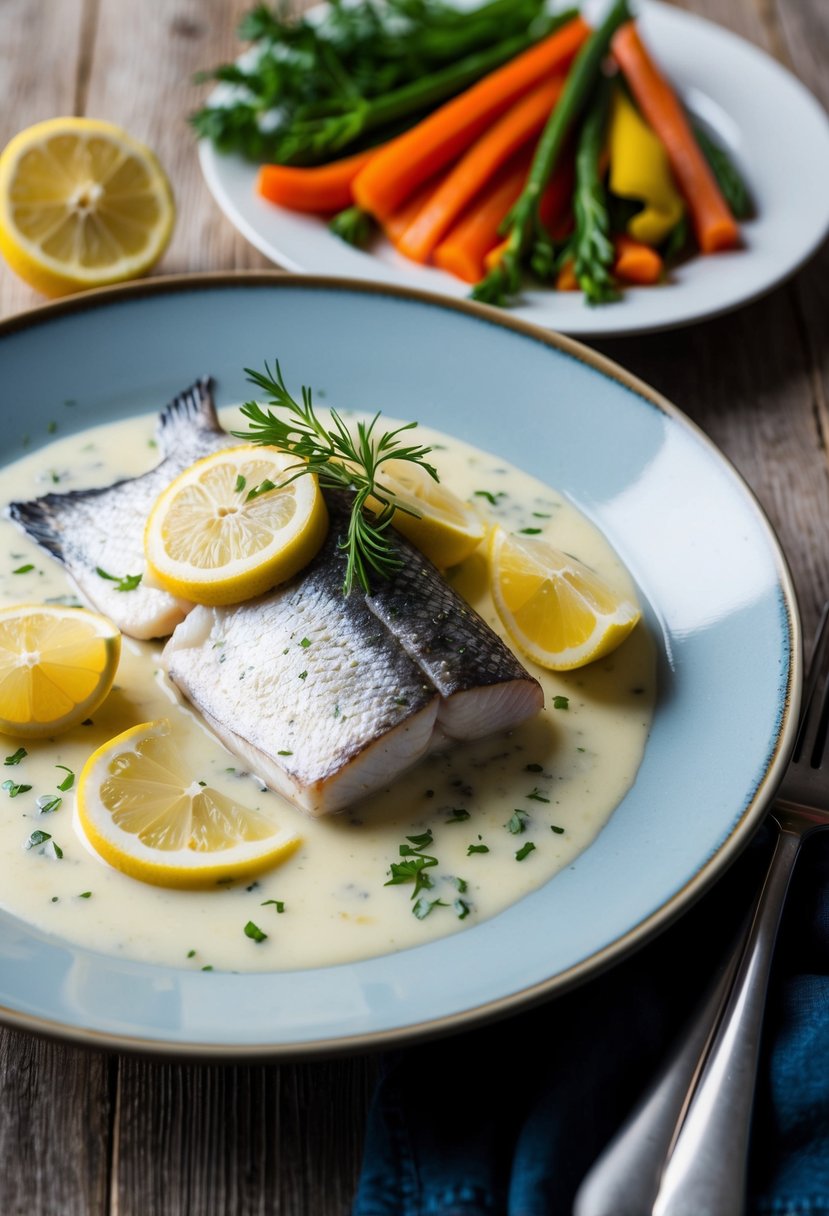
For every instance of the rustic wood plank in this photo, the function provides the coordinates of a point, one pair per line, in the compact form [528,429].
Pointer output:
[55,1116]
[244,1141]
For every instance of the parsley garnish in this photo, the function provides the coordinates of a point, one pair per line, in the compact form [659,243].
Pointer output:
[19,755]
[537,796]
[477,848]
[69,779]
[561,702]
[241,482]
[254,932]
[462,908]
[48,803]
[534,768]
[529,531]
[37,837]
[341,461]
[24,569]
[491,498]
[303,675]
[524,851]
[555,828]
[124,582]
[277,903]
[516,822]
[458,815]
[305,643]
[424,906]
[85,895]
[284,752]
[191,954]
[13,788]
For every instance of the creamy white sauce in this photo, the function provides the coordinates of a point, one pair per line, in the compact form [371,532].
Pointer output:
[567,769]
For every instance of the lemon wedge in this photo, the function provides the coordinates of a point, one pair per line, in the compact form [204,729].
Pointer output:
[82,204]
[217,535]
[56,666]
[148,818]
[444,527]
[556,609]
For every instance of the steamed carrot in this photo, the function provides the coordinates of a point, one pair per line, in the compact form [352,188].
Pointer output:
[465,246]
[566,278]
[521,123]
[714,225]
[635,262]
[392,175]
[396,224]
[553,211]
[322,189]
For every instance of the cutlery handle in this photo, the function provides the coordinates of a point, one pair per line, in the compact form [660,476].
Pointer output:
[705,1175]
[624,1180]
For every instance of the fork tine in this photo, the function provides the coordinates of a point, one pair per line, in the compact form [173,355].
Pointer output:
[813,719]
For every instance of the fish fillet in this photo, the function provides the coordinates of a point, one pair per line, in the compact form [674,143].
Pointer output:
[328,698]
[103,529]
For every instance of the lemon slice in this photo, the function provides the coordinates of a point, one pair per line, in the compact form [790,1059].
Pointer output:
[56,666]
[148,818]
[82,204]
[214,538]
[560,612]
[445,528]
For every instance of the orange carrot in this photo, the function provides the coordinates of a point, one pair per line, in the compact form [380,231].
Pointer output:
[321,189]
[396,224]
[465,246]
[418,153]
[553,211]
[714,225]
[566,278]
[521,123]
[635,262]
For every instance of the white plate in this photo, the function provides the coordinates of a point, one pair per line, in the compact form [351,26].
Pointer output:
[772,126]
[717,597]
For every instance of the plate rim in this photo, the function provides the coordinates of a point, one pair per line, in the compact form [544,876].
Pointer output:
[635,937]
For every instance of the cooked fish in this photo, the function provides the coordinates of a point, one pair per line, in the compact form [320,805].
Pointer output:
[103,530]
[327,697]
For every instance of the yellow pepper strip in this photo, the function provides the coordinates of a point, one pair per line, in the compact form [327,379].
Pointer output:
[639,169]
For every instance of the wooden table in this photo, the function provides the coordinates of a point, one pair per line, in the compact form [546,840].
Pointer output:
[83,1133]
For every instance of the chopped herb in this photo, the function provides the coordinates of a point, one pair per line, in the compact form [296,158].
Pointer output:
[561,702]
[191,954]
[123,582]
[56,850]
[19,755]
[209,967]
[541,515]
[423,906]
[241,482]
[85,895]
[516,822]
[24,569]
[303,675]
[13,788]
[581,749]
[258,491]
[491,498]
[69,779]
[277,903]
[461,884]
[462,908]
[458,814]
[305,643]
[37,837]
[48,802]
[555,828]
[417,843]
[524,851]
[284,752]
[55,899]
[529,531]
[534,768]
[537,796]
[412,871]
[254,886]
[55,477]
[254,932]
[477,848]
[203,784]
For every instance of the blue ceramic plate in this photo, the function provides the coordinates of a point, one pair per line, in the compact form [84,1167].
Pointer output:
[717,595]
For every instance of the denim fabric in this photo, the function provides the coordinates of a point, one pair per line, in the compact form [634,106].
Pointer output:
[506,1119]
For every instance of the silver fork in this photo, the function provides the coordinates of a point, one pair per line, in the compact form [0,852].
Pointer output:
[684,1150]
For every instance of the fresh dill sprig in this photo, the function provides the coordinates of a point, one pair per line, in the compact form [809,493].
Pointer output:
[342,461]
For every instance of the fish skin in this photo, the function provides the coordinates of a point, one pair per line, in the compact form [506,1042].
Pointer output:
[378,690]
[87,529]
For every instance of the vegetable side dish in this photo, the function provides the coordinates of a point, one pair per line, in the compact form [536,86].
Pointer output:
[496,144]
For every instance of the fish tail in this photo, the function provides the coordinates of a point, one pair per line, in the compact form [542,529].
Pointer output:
[37,518]
[182,423]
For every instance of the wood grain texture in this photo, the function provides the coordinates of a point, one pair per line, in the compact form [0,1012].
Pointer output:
[87,1134]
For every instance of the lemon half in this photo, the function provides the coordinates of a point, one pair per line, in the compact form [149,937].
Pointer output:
[556,609]
[56,666]
[145,815]
[443,527]
[214,538]
[82,204]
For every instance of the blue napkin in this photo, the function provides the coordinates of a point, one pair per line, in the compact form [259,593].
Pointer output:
[506,1120]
